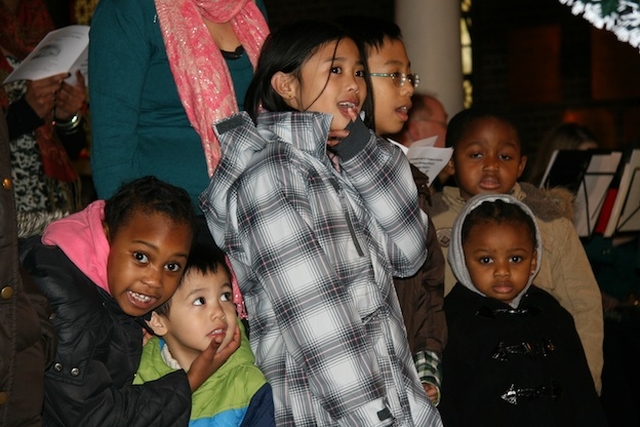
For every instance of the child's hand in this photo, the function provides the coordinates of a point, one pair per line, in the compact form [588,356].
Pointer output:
[210,360]
[336,136]
[432,392]
[353,114]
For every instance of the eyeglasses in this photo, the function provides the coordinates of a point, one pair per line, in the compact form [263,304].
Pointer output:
[399,79]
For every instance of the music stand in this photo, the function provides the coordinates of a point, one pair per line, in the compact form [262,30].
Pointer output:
[588,174]
[625,214]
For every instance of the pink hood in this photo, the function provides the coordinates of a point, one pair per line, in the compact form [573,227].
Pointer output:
[81,237]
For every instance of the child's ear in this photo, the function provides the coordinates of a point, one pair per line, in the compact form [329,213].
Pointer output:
[523,163]
[286,86]
[449,168]
[105,228]
[158,324]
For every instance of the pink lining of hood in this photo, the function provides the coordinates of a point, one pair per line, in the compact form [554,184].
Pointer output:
[82,238]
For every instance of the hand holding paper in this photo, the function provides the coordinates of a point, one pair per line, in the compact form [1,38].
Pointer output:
[41,93]
[70,98]
[61,51]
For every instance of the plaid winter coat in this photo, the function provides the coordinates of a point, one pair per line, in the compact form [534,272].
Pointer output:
[315,250]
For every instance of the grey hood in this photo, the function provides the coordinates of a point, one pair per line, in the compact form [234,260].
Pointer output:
[456,255]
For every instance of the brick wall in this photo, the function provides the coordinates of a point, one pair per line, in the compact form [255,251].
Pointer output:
[612,118]
[281,11]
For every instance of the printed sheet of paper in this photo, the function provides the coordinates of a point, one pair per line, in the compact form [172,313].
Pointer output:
[60,51]
[588,174]
[429,159]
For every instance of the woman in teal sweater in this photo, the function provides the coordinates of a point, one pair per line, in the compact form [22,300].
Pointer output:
[143,122]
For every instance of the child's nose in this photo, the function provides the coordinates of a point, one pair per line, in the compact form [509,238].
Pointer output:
[352,84]
[407,89]
[502,270]
[217,312]
[490,163]
[152,277]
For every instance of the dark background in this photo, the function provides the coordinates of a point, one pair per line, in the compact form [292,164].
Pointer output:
[530,57]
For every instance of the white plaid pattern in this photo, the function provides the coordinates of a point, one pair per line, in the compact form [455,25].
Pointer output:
[315,250]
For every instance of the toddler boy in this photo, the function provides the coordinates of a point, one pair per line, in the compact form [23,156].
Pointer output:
[202,310]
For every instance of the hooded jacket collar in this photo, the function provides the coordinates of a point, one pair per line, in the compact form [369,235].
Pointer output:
[82,238]
[456,254]
[305,131]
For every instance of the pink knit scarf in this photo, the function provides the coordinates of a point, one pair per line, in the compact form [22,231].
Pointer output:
[201,75]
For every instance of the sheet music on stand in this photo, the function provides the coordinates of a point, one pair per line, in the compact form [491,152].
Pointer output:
[625,214]
[588,174]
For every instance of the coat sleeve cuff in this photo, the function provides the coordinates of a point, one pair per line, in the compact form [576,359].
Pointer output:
[354,143]
[21,119]
[429,370]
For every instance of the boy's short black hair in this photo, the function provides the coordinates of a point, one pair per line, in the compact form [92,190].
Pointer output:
[498,212]
[148,195]
[459,124]
[204,257]
[370,31]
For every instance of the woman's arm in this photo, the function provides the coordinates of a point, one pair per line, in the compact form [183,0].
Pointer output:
[119,55]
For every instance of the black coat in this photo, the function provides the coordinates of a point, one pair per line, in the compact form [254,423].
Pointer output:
[27,338]
[535,349]
[99,349]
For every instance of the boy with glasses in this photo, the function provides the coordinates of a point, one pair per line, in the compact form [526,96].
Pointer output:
[392,84]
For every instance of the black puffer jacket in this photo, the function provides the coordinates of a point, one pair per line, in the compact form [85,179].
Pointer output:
[27,339]
[99,348]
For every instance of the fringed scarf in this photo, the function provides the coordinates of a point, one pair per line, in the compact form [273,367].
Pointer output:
[203,80]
